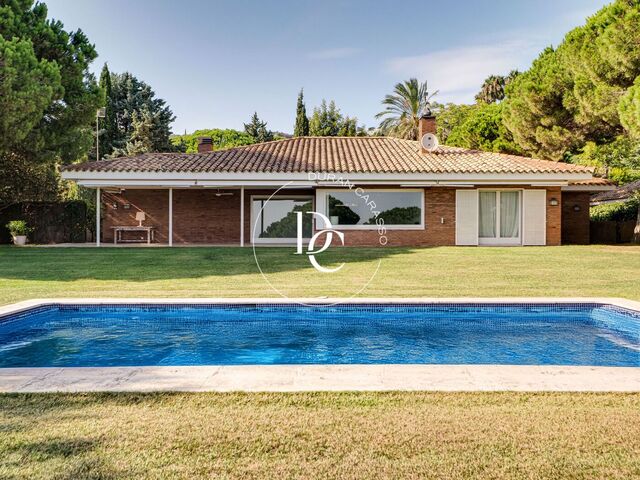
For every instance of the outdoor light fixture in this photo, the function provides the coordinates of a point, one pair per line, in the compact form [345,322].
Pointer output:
[553,202]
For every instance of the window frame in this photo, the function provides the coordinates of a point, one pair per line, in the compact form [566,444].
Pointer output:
[498,240]
[255,239]
[322,207]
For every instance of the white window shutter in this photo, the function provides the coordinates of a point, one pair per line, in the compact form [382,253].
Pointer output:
[534,215]
[466,217]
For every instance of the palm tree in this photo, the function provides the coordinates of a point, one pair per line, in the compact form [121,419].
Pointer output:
[494,87]
[410,101]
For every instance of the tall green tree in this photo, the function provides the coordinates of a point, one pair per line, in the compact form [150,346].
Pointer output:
[48,101]
[326,120]
[108,125]
[301,128]
[257,129]
[583,90]
[132,98]
[410,101]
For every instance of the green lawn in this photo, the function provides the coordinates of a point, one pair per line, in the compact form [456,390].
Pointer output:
[404,272]
[322,435]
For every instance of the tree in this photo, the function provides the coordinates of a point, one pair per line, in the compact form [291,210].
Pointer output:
[582,91]
[349,127]
[540,109]
[221,139]
[483,129]
[326,120]
[48,97]
[109,127]
[448,117]
[144,128]
[301,128]
[257,129]
[132,98]
[629,110]
[410,101]
[493,88]
[618,160]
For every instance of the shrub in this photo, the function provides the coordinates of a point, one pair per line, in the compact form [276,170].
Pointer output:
[620,211]
[18,227]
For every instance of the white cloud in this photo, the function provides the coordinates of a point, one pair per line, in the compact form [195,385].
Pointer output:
[458,73]
[334,53]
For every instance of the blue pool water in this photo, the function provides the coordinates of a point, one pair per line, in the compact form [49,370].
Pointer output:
[136,335]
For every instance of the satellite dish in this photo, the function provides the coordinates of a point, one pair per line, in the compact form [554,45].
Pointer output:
[429,142]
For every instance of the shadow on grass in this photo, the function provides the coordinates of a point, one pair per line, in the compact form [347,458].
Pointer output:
[149,264]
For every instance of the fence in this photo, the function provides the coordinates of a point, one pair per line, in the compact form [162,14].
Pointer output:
[61,222]
[611,232]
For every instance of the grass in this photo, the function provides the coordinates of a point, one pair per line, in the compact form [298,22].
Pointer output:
[321,435]
[403,272]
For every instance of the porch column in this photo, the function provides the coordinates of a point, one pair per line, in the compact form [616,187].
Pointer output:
[242,216]
[171,217]
[98,200]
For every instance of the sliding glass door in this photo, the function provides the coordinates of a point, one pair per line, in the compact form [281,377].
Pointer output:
[499,217]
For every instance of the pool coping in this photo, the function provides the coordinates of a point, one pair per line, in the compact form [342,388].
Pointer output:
[296,378]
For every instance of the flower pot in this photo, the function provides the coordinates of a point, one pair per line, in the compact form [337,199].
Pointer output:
[19,239]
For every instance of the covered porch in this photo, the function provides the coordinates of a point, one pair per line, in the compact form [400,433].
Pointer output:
[212,216]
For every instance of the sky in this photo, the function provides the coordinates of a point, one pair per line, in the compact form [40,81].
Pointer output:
[216,62]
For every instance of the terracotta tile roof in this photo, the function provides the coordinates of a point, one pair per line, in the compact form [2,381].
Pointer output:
[330,154]
[593,182]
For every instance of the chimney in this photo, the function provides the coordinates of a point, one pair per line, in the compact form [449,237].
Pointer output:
[205,144]
[427,125]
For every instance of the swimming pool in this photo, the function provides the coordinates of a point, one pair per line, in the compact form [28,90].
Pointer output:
[68,335]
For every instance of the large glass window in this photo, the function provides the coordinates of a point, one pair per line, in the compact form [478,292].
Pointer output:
[277,218]
[395,208]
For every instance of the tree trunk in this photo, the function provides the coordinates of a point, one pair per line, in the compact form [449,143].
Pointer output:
[636,231]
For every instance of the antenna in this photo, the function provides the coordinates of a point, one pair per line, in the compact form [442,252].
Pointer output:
[429,142]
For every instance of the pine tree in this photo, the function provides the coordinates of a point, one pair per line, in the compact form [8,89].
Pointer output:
[301,128]
[257,129]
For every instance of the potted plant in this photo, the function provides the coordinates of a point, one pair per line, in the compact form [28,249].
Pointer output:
[19,231]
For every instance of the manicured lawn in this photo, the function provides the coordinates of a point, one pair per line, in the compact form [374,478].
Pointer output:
[323,435]
[404,272]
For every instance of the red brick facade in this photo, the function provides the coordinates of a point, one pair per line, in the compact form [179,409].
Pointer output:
[575,218]
[202,216]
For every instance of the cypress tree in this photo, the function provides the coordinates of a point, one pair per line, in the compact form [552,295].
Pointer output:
[109,128]
[301,127]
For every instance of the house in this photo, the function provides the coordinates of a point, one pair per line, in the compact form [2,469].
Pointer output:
[620,194]
[368,187]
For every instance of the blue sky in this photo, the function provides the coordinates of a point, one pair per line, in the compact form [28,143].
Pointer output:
[216,63]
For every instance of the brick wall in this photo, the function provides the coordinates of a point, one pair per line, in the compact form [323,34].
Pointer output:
[119,209]
[199,216]
[575,217]
[554,216]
